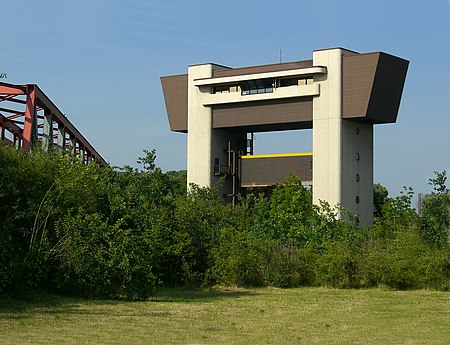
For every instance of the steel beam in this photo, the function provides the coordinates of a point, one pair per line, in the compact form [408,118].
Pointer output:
[73,146]
[11,111]
[36,101]
[30,117]
[10,89]
[47,136]
[46,103]
[81,150]
[10,98]
[10,125]
[61,137]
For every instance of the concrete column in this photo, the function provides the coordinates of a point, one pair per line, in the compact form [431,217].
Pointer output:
[61,141]
[47,137]
[2,134]
[199,145]
[205,144]
[357,169]
[327,129]
[336,143]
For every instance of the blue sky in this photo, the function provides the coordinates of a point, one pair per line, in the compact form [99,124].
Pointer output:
[100,62]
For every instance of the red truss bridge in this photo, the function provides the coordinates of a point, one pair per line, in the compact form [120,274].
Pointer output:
[28,118]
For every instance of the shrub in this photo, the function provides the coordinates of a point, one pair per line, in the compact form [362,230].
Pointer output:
[338,266]
[101,260]
[118,233]
[435,217]
[288,265]
[238,258]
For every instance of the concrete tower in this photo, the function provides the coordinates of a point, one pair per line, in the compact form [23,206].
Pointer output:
[340,94]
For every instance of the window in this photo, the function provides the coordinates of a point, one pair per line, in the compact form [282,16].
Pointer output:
[221,88]
[253,87]
[226,88]
[288,82]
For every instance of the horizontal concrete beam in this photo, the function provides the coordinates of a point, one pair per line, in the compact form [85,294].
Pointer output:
[279,74]
[278,93]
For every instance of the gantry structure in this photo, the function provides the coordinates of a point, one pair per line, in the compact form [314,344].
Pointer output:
[28,118]
[339,94]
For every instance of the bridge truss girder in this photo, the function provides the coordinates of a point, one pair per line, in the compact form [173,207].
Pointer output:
[28,119]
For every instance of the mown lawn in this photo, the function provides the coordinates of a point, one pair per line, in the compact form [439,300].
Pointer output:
[232,316]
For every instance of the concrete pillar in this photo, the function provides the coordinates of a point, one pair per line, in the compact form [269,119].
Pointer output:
[338,177]
[47,136]
[61,140]
[205,144]
[199,145]
[327,129]
[357,169]
[2,134]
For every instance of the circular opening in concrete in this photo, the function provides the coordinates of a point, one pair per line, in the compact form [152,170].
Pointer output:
[357,156]
[357,199]
[357,177]
[357,130]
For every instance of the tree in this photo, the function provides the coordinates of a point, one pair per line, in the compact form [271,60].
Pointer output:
[380,197]
[148,160]
[435,218]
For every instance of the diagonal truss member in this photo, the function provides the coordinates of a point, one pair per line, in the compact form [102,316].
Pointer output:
[28,118]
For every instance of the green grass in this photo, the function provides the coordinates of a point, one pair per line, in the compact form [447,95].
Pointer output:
[232,316]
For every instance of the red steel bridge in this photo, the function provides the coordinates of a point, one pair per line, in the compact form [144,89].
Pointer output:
[28,118]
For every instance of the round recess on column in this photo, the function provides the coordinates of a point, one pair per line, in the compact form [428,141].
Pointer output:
[357,156]
[357,177]
[357,130]
[357,199]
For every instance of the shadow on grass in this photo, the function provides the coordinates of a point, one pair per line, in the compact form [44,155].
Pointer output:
[27,303]
[198,295]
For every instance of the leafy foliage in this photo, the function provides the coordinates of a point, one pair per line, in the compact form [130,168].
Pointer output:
[380,198]
[435,217]
[122,232]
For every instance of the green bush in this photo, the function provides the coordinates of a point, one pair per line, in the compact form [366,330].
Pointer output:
[238,258]
[101,260]
[288,265]
[198,218]
[337,266]
[119,233]
[435,216]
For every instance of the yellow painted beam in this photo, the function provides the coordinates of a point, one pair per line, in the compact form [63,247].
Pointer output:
[279,155]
